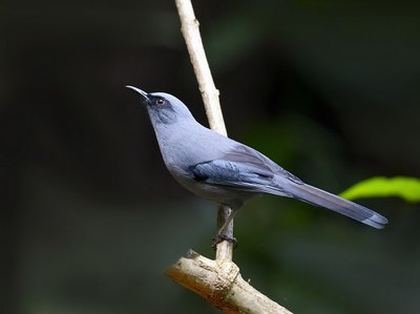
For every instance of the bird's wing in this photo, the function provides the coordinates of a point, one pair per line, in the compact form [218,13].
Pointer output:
[246,169]
[242,168]
[247,155]
[230,173]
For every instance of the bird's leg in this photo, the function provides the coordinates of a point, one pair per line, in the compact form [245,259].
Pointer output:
[225,232]
[223,229]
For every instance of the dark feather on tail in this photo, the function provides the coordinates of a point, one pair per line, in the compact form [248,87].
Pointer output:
[318,197]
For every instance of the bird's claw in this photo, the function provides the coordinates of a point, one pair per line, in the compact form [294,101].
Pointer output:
[220,238]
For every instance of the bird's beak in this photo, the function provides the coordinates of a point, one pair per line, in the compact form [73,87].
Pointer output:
[141,92]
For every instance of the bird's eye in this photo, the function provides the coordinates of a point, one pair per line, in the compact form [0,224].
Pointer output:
[160,101]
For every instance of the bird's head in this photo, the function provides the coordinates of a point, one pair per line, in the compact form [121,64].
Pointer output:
[162,107]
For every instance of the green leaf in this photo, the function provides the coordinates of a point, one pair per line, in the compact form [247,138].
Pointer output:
[405,187]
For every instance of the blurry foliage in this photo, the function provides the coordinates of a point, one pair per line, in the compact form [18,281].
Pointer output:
[405,187]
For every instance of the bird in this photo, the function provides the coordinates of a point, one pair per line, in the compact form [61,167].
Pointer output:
[220,169]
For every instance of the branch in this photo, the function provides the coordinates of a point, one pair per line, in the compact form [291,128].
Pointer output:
[209,92]
[218,281]
[210,95]
[221,284]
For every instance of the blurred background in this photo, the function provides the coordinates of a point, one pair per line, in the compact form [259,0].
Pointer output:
[90,218]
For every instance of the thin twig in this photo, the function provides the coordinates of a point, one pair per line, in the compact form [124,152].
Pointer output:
[190,31]
[210,95]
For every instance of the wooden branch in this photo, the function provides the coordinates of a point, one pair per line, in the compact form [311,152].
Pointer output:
[209,92]
[221,284]
[218,281]
[210,95]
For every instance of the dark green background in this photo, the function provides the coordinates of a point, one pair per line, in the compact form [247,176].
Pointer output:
[90,218]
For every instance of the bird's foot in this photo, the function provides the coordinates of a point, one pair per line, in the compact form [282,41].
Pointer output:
[222,237]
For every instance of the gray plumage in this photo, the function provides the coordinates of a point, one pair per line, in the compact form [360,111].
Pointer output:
[220,169]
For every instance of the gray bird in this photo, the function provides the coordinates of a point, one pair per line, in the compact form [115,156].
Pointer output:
[220,169]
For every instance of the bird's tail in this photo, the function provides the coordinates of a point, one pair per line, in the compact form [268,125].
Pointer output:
[318,197]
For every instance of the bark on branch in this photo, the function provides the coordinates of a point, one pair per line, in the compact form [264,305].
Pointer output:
[221,284]
[209,92]
[210,95]
[218,281]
